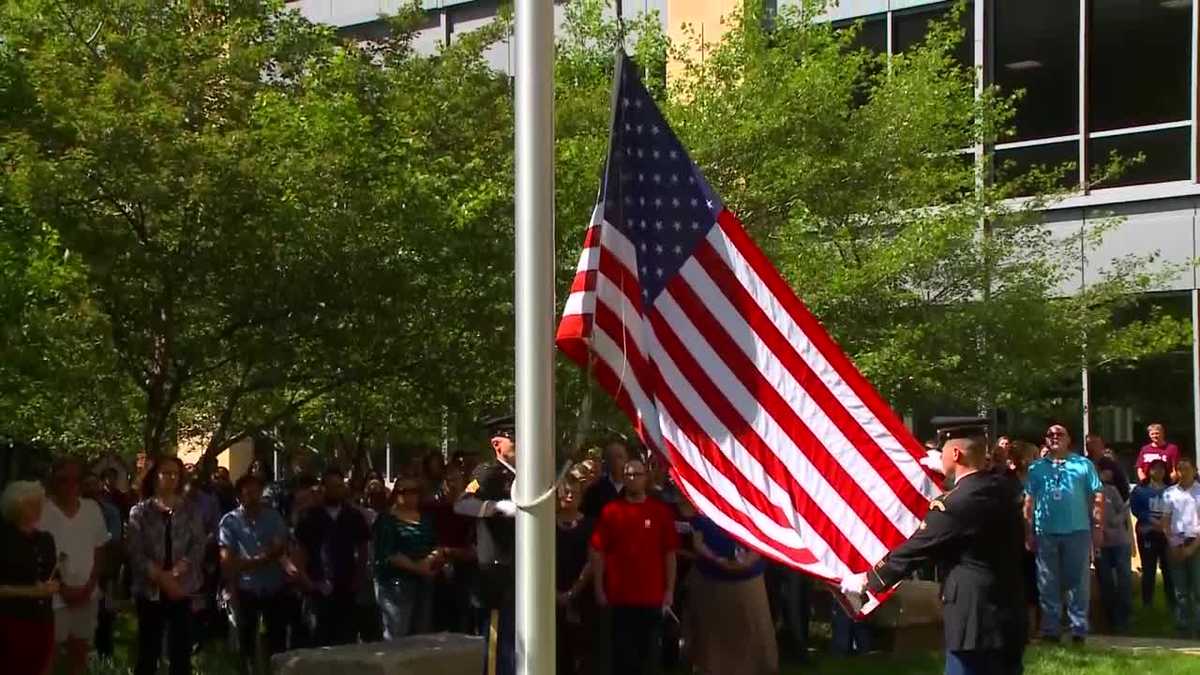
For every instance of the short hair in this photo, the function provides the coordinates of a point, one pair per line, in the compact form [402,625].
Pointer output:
[110,471]
[975,448]
[246,479]
[18,492]
[333,471]
[617,443]
[1156,425]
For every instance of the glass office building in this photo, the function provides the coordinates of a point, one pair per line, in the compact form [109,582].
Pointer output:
[1100,77]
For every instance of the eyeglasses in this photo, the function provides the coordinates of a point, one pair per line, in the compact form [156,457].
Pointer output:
[634,474]
[1055,434]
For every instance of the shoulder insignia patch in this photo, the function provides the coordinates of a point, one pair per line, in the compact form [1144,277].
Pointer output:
[937,505]
[472,487]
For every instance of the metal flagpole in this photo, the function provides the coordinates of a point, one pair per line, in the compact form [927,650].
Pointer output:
[535,639]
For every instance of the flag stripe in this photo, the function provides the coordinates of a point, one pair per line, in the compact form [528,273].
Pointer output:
[702,437]
[675,389]
[731,227]
[695,375]
[725,522]
[805,380]
[729,357]
[777,550]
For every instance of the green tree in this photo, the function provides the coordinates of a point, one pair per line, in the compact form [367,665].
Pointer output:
[263,214]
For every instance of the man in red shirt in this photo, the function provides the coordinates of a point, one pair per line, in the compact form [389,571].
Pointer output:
[1157,448]
[633,554]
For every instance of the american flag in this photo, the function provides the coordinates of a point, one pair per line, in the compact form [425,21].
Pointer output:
[769,428]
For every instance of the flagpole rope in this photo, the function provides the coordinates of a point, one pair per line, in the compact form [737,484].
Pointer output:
[527,506]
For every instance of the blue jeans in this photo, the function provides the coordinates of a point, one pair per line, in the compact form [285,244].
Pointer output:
[1186,575]
[1116,584]
[406,607]
[1062,569]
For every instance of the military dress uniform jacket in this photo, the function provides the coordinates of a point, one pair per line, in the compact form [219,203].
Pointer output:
[975,535]
[495,534]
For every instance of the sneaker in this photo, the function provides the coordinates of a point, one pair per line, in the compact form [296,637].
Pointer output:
[1050,639]
[1078,640]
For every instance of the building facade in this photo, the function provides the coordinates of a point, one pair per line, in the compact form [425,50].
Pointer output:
[1099,76]
[445,20]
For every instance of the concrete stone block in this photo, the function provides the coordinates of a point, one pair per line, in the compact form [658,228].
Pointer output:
[441,653]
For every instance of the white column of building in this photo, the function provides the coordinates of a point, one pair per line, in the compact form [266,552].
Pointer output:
[1196,370]
[1195,156]
[1084,14]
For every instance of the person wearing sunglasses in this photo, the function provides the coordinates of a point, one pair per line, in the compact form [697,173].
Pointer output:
[633,551]
[406,562]
[1064,511]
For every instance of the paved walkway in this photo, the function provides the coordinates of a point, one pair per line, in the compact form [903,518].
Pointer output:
[1139,644]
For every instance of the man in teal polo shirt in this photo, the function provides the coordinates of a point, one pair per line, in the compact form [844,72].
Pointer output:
[1064,508]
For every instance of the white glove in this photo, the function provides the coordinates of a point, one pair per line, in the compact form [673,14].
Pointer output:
[506,507]
[854,584]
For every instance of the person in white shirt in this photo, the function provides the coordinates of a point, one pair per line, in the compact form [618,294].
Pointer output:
[1182,517]
[79,533]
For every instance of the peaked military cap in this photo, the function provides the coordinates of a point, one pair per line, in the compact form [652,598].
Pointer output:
[960,427]
[503,426]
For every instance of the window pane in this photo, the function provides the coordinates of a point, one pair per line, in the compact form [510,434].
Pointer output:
[872,36]
[1014,163]
[1166,155]
[909,30]
[1139,56]
[1037,50]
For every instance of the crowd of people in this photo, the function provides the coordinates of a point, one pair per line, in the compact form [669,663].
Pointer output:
[642,578]
[1085,516]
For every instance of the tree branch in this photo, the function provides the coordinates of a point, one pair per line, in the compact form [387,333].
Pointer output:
[87,43]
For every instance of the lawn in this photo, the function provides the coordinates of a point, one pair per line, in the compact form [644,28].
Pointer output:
[1038,661]
[216,659]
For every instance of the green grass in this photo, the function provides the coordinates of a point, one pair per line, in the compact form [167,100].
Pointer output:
[1038,661]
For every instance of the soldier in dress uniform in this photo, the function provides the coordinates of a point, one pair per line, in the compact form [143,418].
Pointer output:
[488,498]
[975,535]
